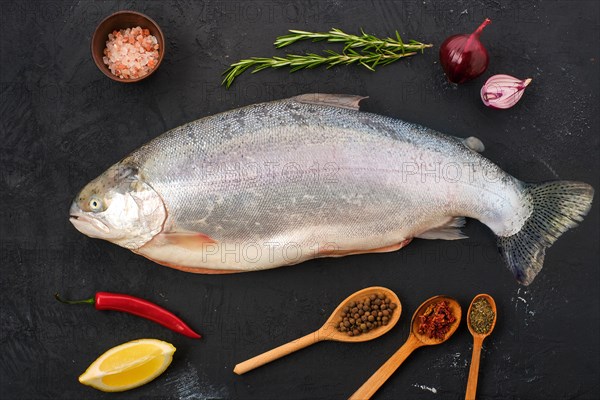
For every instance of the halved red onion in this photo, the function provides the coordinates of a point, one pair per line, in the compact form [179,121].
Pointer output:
[503,91]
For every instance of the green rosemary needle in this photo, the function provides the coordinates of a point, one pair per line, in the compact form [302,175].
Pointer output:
[366,50]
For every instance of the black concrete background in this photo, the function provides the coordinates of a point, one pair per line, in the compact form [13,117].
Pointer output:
[63,123]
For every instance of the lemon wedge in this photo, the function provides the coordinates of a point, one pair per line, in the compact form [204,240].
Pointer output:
[129,365]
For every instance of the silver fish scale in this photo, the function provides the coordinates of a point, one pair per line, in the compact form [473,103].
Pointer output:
[289,171]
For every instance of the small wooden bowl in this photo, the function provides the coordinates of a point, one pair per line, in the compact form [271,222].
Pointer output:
[124,20]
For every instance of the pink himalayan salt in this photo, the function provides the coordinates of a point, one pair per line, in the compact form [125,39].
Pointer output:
[131,53]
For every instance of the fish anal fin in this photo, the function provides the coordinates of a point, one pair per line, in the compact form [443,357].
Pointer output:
[348,101]
[448,231]
[348,252]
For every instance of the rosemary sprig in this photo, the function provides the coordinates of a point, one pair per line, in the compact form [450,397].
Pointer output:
[366,50]
[365,41]
[367,59]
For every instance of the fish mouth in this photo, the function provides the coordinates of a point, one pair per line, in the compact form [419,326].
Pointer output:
[88,226]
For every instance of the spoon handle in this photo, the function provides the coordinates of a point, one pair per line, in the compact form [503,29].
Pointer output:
[276,353]
[474,369]
[376,380]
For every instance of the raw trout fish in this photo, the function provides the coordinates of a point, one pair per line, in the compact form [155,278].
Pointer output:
[282,182]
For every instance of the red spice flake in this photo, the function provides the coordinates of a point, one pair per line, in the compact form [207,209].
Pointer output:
[435,322]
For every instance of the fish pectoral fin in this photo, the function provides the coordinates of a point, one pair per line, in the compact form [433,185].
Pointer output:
[447,231]
[197,270]
[187,240]
[474,144]
[347,101]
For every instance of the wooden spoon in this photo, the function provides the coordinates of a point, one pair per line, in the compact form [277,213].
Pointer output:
[477,343]
[414,341]
[328,331]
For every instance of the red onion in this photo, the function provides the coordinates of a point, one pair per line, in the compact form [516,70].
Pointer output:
[463,57]
[503,91]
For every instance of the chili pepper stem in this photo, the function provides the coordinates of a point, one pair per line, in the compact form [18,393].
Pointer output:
[84,301]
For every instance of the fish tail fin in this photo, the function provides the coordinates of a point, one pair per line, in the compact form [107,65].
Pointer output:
[557,207]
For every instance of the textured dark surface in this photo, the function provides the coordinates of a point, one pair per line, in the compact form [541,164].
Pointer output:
[63,123]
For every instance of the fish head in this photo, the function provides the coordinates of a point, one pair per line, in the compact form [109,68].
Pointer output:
[120,207]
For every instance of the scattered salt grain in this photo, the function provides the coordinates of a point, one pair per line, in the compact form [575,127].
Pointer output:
[131,53]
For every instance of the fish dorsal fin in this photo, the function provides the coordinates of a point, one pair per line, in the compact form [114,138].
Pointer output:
[348,101]
[474,144]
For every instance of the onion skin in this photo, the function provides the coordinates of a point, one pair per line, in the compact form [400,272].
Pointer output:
[503,91]
[463,57]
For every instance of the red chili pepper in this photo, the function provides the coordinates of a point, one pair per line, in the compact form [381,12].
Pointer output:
[136,306]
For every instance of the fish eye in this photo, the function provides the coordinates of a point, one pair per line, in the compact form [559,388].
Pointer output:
[95,204]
